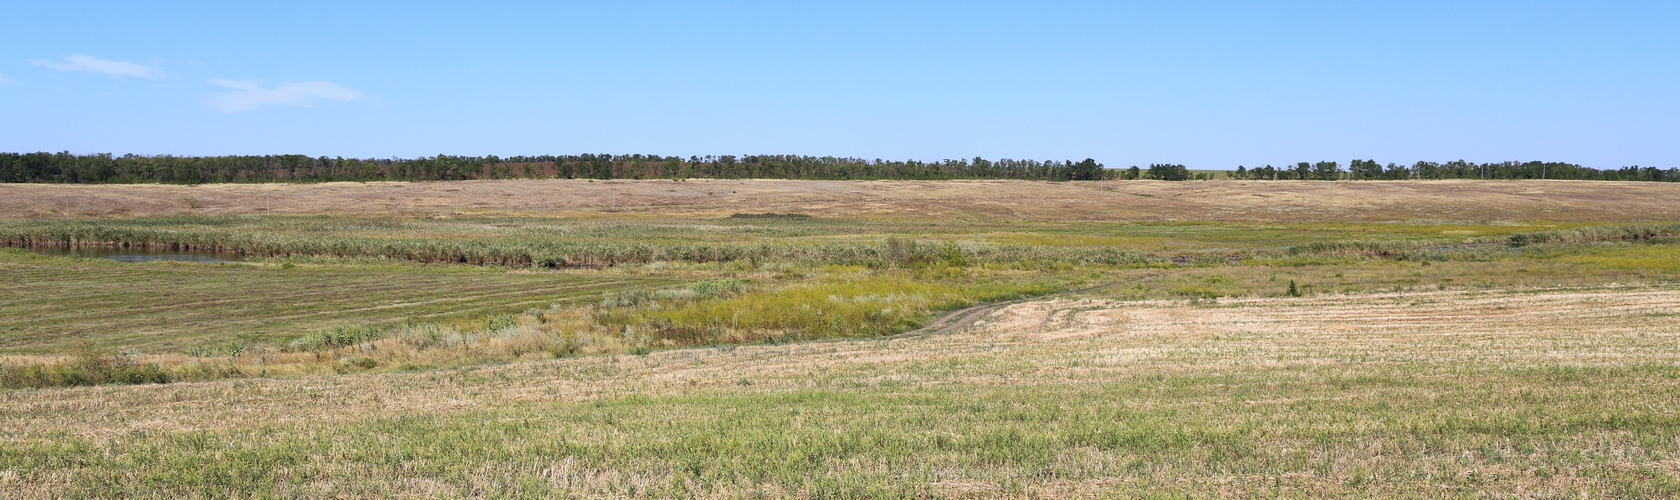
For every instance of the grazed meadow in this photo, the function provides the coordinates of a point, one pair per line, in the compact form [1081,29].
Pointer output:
[631,349]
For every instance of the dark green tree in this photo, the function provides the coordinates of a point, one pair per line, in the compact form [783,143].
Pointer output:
[1169,172]
[1087,170]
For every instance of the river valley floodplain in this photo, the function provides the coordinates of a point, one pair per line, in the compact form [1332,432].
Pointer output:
[549,338]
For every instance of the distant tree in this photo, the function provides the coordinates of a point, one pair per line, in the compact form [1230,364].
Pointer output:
[1087,170]
[1303,171]
[1396,172]
[1460,169]
[1326,171]
[1364,169]
[1169,172]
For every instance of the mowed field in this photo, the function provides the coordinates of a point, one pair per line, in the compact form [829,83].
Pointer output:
[172,306]
[976,200]
[1132,339]
[1543,392]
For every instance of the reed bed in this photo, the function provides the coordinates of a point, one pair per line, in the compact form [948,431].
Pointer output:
[1590,234]
[551,251]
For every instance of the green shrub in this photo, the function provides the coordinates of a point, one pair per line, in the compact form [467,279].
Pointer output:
[89,367]
[338,336]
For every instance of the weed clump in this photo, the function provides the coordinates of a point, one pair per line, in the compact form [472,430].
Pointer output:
[89,366]
[339,336]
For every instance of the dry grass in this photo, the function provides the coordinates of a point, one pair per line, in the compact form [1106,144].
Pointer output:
[1457,200]
[1537,392]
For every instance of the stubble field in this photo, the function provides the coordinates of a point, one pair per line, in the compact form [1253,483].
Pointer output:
[1414,394]
[1239,201]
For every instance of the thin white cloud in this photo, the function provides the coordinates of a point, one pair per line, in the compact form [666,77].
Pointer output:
[5,79]
[248,95]
[90,64]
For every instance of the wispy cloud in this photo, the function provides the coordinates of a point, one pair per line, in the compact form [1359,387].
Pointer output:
[5,79]
[248,95]
[91,64]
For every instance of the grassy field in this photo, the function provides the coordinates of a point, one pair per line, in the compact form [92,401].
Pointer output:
[327,272]
[1320,339]
[1411,394]
[159,306]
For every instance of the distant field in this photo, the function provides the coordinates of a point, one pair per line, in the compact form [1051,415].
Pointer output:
[161,306]
[1459,201]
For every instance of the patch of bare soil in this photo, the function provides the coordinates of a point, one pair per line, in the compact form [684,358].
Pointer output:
[1292,201]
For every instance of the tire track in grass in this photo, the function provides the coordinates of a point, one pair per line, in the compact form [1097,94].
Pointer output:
[197,314]
[171,305]
[263,327]
[601,286]
[322,292]
[191,313]
[962,318]
[99,286]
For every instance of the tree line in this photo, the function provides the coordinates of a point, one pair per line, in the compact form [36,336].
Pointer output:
[1458,169]
[64,167]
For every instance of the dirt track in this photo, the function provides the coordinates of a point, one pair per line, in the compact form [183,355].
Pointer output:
[963,318]
[1467,201]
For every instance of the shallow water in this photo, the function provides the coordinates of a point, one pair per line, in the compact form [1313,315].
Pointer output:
[140,254]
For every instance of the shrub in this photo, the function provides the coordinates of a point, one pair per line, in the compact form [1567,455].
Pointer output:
[89,367]
[339,336]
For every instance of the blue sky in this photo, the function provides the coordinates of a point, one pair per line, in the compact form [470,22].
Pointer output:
[1207,84]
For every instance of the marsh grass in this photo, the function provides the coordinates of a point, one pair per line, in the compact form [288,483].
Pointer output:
[593,245]
[537,242]
[1606,233]
[89,365]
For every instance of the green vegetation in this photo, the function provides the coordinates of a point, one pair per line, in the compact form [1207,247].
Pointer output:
[543,242]
[539,243]
[339,294]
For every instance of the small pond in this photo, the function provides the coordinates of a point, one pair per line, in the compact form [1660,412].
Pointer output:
[140,254]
